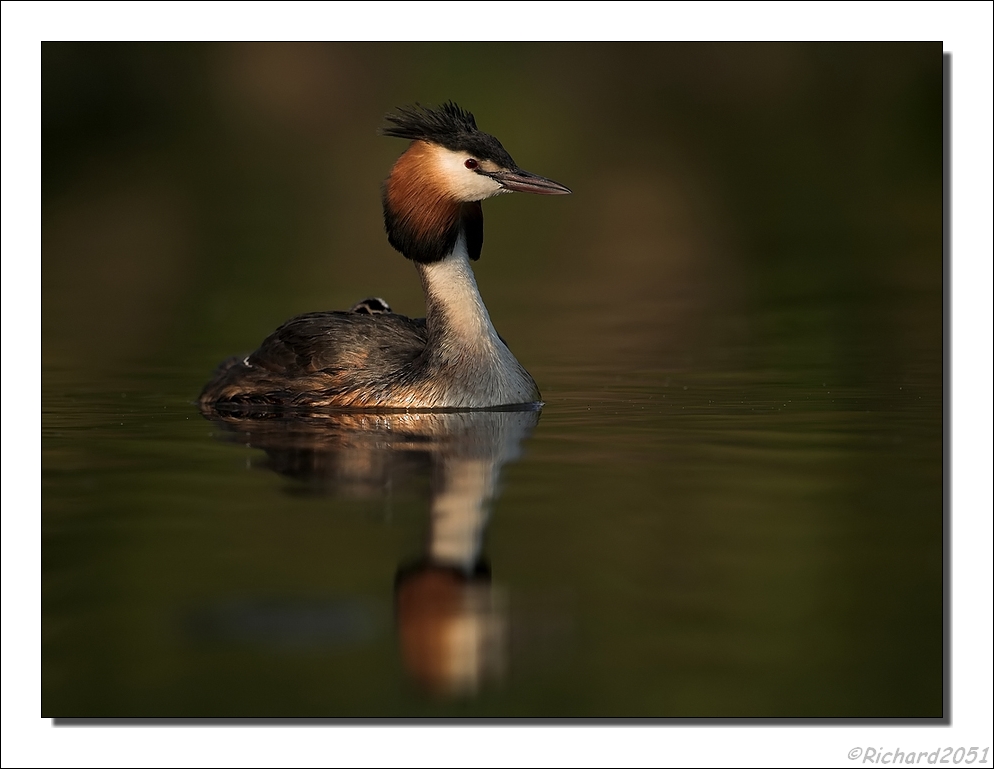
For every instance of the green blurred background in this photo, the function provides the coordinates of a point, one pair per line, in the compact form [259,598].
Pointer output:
[732,505]
[195,196]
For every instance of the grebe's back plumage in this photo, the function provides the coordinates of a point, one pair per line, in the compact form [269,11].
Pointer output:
[370,357]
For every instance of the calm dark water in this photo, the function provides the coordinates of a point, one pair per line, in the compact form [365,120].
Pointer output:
[730,505]
[661,543]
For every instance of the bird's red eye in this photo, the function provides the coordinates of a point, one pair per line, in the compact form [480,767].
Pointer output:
[471,163]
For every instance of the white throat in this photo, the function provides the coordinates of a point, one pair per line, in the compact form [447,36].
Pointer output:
[475,368]
[451,290]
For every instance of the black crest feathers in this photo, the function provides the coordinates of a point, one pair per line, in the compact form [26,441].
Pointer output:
[433,125]
[449,126]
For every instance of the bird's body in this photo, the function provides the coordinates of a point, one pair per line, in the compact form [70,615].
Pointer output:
[369,357]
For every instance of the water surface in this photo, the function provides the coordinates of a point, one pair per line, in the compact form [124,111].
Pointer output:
[668,543]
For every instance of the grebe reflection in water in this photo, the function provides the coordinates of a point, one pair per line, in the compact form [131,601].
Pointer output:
[451,621]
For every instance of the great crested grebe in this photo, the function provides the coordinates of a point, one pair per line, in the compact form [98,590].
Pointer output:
[370,357]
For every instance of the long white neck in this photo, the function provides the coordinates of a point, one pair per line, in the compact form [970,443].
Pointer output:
[457,317]
[475,369]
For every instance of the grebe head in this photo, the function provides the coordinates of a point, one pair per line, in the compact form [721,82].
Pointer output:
[434,189]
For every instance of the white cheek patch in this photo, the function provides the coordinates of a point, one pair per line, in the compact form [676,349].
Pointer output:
[463,183]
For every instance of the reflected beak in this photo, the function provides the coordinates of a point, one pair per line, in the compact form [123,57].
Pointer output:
[522,181]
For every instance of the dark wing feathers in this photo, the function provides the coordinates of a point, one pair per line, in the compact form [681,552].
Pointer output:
[340,341]
[321,357]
